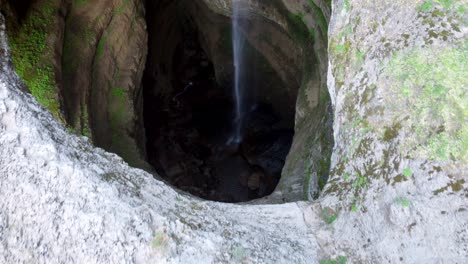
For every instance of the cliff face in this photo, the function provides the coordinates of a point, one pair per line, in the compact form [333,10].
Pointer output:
[103,58]
[398,84]
[396,189]
[83,61]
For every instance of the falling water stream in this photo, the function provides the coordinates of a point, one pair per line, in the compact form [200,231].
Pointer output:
[238,42]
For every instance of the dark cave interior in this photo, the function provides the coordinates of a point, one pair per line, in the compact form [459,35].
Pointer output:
[188,116]
[189,107]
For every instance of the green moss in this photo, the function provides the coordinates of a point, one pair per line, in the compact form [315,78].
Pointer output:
[122,7]
[446,3]
[359,56]
[120,117]
[346,176]
[426,6]
[118,92]
[323,174]
[407,172]
[81,2]
[444,147]
[402,202]
[298,29]
[431,86]
[339,260]
[33,58]
[461,9]
[342,48]
[329,216]
[347,5]
[85,129]
[319,18]
[359,182]
[100,47]
[160,241]
[117,115]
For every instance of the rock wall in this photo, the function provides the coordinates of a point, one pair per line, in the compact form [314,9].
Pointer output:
[398,81]
[83,61]
[102,85]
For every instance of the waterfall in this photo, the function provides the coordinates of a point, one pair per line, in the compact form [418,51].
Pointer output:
[238,42]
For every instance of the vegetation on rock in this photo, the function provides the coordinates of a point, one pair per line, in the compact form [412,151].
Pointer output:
[431,85]
[33,56]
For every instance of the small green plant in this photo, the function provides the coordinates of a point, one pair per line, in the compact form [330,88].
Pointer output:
[342,48]
[402,202]
[461,9]
[339,260]
[346,176]
[118,92]
[359,56]
[446,3]
[407,172]
[160,241]
[31,56]
[359,182]
[347,5]
[426,6]
[329,216]
[354,208]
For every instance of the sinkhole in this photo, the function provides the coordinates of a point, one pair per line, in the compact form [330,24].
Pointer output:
[190,107]
[225,109]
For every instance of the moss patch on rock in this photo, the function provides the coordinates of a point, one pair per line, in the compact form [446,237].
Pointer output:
[431,85]
[33,57]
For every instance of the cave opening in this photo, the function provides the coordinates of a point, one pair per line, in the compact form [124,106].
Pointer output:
[189,107]
[180,119]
